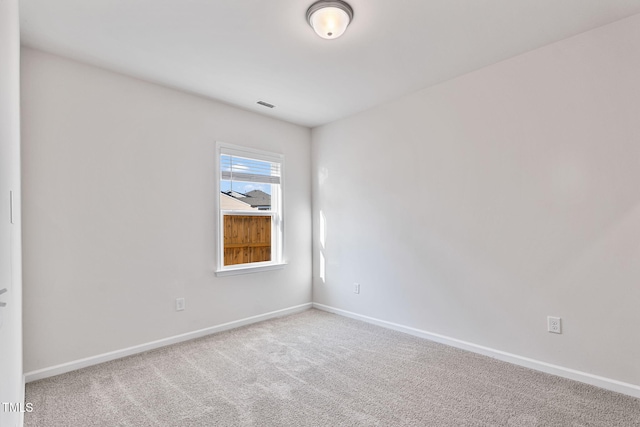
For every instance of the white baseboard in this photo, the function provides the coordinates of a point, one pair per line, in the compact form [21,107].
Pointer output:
[598,381]
[101,358]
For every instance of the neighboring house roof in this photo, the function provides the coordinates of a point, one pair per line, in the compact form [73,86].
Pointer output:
[258,198]
[255,198]
[230,203]
[235,194]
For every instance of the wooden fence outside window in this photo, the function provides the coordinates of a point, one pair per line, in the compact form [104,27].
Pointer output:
[247,238]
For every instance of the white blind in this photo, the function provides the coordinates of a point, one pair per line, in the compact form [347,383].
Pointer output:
[236,168]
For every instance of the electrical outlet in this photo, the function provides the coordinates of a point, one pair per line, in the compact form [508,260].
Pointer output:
[554,324]
[356,288]
[179,304]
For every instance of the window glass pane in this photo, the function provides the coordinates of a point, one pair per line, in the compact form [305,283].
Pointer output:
[247,238]
[251,229]
[245,196]
[235,168]
[247,184]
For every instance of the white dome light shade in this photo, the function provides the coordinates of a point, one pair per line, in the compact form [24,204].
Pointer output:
[330,22]
[329,19]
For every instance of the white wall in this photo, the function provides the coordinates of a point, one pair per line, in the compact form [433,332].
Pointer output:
[11,373]
[119,212]
[476,208]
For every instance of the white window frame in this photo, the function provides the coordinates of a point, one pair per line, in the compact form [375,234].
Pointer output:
[276,213]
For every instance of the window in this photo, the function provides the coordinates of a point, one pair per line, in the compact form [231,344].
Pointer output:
[250,233]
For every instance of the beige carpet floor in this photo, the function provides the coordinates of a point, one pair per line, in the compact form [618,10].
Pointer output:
[319,369]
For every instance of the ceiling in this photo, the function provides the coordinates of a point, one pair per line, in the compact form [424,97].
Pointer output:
[244,51]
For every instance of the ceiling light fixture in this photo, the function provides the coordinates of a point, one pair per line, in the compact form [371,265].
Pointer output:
[329,19]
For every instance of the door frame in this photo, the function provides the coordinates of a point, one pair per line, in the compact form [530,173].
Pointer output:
[12,405]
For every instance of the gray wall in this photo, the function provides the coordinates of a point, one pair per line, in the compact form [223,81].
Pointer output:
[119,212]
[476,208]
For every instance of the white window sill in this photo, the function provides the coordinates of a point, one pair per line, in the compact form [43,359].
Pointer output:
[233,271]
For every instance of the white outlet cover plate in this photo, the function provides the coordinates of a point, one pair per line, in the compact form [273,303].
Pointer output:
[554,324]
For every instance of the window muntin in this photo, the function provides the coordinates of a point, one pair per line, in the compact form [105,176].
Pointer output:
[250,206]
